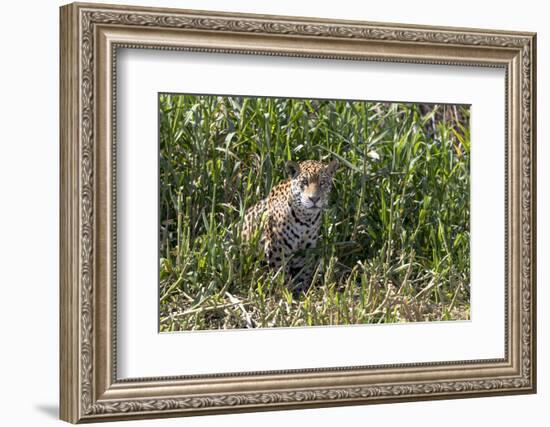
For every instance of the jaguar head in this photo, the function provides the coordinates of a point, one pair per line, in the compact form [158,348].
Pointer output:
[311,182]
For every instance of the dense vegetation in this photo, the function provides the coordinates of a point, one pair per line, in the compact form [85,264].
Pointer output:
[395,242]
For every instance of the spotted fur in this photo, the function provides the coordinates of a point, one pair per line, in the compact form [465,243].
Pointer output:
[290,218]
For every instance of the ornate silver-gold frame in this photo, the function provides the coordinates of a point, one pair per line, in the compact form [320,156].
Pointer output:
[90,36]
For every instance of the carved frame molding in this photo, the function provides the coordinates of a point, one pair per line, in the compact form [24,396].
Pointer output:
[90,36]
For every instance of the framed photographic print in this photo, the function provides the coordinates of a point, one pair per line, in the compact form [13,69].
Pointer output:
[266,212]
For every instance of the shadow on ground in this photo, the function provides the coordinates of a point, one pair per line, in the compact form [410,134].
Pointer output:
[49,410]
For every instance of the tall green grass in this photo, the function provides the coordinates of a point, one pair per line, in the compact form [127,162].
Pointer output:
[395,242]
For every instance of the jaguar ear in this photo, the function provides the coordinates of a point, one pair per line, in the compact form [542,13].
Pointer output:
[292,168]
[333,167]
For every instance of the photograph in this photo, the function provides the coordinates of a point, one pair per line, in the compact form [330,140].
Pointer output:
[288,212]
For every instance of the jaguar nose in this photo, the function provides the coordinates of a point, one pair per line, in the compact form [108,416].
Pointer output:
[314,199]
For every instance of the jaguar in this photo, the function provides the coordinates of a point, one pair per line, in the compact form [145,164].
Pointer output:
[288,220]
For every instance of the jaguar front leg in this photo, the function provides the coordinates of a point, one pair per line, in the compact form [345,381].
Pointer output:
[303,267]
[277,259]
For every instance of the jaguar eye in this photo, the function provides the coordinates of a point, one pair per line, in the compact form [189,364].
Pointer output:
[303,182]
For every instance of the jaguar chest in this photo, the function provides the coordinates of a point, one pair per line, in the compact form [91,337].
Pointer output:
[296,229]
